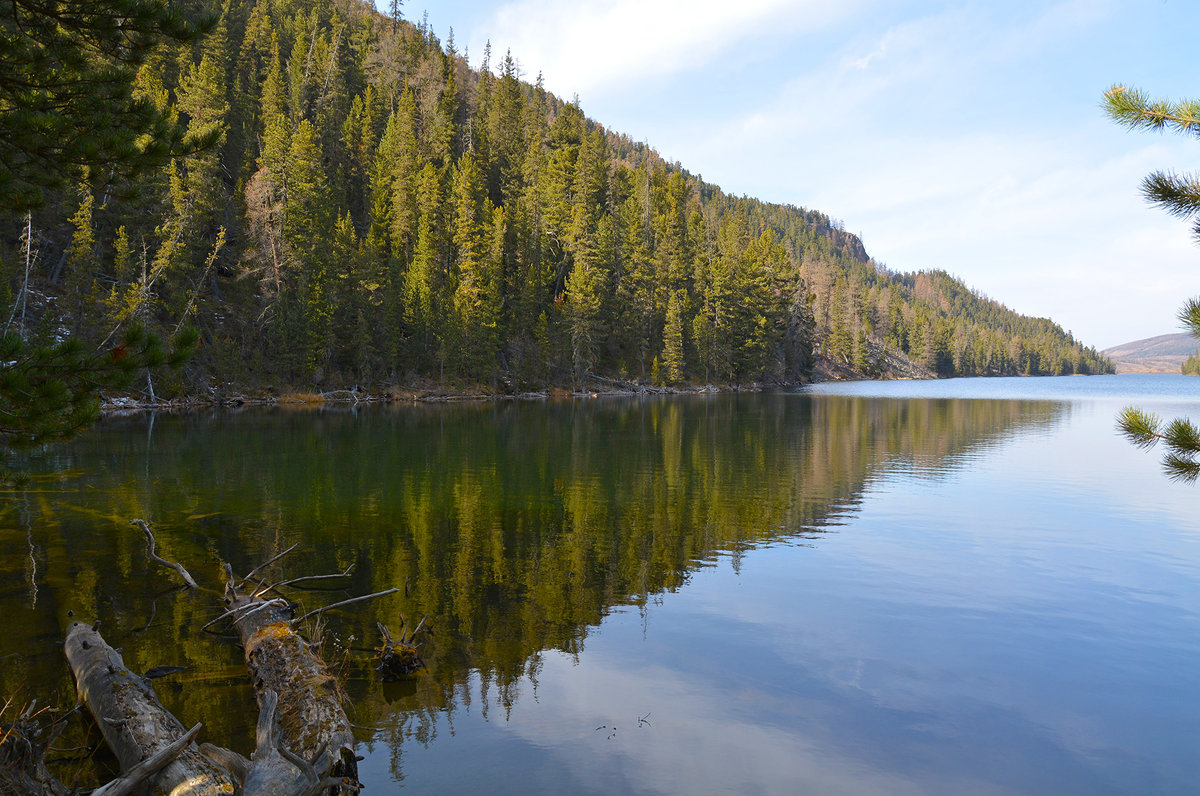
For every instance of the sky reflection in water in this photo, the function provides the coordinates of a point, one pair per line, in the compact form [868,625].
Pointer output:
[1021,619]
[813,593]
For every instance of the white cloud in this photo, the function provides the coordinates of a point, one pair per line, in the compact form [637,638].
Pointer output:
[938,137]
[594,46]
[1040,214]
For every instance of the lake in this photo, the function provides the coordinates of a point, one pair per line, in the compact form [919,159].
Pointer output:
[961,586]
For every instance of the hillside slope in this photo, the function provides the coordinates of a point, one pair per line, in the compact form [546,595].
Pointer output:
[1164,353]
[378,212]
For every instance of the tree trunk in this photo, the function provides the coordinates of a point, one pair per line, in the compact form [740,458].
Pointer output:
[134,723]
[310,713]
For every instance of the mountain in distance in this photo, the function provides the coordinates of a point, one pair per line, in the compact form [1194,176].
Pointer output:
[378,211]
[1164,353]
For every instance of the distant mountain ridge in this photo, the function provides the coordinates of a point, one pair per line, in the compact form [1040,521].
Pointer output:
[1164,353]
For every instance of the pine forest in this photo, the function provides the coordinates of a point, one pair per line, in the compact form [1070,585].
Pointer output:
[373,210]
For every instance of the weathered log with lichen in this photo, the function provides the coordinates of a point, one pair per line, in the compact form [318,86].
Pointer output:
[134,723]
[312,721]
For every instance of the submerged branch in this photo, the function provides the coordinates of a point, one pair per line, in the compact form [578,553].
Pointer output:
[154,556]
[272,587]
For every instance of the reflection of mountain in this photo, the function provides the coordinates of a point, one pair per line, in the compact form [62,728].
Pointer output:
[515,527]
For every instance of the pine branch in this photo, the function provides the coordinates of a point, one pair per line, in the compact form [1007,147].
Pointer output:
[1189,316]
[1178,194]
[1181,468]
[1134,109]
[1140,427]
[1181,437]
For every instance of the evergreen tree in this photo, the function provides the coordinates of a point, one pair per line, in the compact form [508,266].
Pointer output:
[66,93]
[672,352]
[425,280]
[477,240]
[583,306]
[202,103]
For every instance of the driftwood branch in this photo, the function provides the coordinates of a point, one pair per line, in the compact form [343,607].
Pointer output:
[420,625]
[154,556]
[247,609]
[134,778]
[266,563]
[273,586]
[345,602]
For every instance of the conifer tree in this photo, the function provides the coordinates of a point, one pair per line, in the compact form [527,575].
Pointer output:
[202,101]
[476,294]
[81,256]
[66,93]
[1191,365]
[425,280]
[672,352]
[583,306]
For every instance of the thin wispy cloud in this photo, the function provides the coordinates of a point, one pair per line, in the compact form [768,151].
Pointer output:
[907,138]
[596,46]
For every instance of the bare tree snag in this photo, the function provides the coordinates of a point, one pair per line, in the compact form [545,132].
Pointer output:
[395,659]
[311,718]
[134,723]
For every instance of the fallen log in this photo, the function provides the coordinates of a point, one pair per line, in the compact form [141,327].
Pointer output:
[304,743]
[311,719]
[135,725]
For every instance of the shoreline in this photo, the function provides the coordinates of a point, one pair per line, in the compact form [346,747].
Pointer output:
[425,395]
[431,392]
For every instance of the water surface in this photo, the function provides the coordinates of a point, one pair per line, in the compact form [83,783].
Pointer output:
[888,587]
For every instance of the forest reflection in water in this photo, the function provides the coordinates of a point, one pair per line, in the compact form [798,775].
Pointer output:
[515,527]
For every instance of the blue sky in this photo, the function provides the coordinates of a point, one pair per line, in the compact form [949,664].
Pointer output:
[965,136]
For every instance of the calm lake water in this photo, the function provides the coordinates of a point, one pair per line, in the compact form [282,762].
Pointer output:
[963,586]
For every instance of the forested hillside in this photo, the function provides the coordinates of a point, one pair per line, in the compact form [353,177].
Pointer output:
[377,211]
